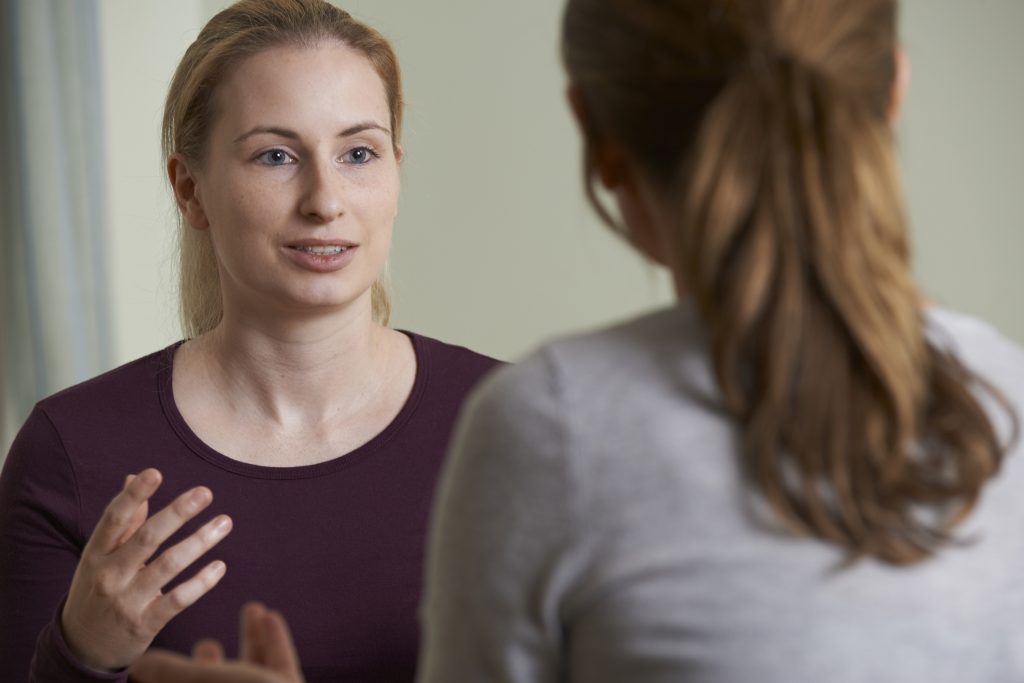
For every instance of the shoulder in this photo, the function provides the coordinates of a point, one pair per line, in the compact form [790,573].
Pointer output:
[116,392]
[966,332]
[650,340]
[646,354]
[981,347]
[78,431]
[590,378]
[454,366]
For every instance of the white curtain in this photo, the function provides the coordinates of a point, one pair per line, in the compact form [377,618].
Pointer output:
[56,327]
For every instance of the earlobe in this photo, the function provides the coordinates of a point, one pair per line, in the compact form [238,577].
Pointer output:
[186,192]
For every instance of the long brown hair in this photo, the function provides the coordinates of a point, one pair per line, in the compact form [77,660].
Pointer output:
[766,122]
[239,31]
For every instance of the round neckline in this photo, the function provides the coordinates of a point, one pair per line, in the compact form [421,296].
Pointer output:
[350,459]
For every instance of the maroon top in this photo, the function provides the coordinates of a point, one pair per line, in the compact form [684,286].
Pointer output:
[337,546]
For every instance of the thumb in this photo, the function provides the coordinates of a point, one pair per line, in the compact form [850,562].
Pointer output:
[279,649]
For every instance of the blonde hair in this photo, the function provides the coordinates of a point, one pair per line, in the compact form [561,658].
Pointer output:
[766,122]
[237,32]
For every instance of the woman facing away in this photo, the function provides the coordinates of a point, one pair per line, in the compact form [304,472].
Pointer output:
[320,429]
[801,472]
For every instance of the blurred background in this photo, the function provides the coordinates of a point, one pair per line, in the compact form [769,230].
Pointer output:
[495,247]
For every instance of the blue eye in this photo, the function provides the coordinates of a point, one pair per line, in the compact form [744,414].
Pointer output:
[359,156]
[275,157]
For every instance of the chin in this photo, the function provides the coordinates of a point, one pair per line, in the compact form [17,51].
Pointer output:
[329,302]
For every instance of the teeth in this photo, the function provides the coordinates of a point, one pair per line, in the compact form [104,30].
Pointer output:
[323,251]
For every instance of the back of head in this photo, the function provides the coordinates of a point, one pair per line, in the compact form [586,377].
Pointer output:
[237,32]
[765,124]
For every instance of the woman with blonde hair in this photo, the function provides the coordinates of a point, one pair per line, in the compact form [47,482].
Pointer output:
[800,472]
[320,429]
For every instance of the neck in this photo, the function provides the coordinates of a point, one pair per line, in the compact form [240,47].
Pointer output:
[295,372]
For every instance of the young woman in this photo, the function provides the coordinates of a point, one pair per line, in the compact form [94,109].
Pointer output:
[798,473]
[319,429]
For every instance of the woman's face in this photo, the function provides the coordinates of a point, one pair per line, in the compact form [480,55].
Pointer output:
[299,188]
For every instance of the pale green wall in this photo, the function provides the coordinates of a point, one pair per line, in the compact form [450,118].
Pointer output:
[962,142]
[495,247]
[143,41]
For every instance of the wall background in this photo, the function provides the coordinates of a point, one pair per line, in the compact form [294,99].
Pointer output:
[495,247]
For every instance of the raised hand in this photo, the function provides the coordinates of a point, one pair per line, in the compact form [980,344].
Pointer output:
[116,605]
[267,656]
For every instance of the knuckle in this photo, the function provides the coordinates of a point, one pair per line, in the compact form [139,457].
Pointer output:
[117,517]
[177,601]
[147,537]
[105,587]
[92,562]
[168,564]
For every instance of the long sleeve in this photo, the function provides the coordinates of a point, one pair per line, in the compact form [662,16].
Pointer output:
[40,543]
[500,562]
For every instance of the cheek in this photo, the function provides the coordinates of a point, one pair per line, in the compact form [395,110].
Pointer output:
[245,211]
[379,205]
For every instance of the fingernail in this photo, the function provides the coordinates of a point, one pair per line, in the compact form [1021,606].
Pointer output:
[150,477]
[222,525]
[218,568]
[199,497]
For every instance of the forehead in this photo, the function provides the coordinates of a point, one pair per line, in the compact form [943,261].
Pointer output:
[328,83]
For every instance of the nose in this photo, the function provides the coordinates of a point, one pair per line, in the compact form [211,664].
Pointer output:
[323,196]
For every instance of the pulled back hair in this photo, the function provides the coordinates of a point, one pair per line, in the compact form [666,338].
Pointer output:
[238,32]
[766,124]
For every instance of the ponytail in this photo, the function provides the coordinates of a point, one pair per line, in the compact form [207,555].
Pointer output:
[792,241]
[767,124]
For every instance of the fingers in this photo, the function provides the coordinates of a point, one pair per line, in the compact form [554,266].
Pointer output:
[269,656]
[267,641]
[175,559]
[250,647]
[157,666]
[115,606]
[160,526]
[279,649]
[208,651]
[166,607]
[122,511]
[141,513]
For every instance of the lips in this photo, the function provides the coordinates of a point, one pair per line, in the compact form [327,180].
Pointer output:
[322,251]
[321,247]
[320,256]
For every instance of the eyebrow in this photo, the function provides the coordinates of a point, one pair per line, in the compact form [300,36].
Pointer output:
[292,135]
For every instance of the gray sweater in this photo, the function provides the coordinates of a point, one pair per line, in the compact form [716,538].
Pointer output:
[591,526]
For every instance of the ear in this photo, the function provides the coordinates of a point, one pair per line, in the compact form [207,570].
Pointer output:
[399,153]
[607,158]
[186,192]
[900,84]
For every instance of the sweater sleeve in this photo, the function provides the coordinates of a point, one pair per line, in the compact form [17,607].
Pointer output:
[500,560]
[40,543]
